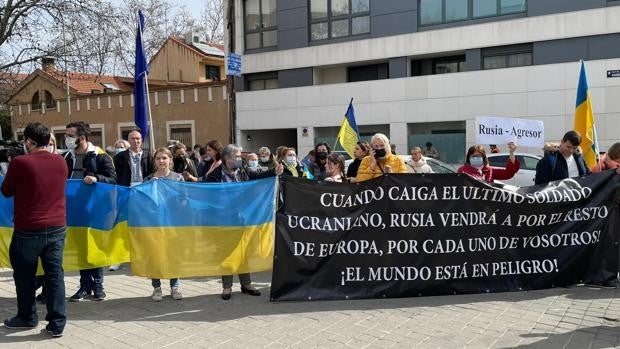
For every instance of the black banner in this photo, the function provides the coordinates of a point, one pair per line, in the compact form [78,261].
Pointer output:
[420,235]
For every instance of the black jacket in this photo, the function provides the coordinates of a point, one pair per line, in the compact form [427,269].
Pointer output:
[122,163]
[97,163]
[553,167]
[216,175]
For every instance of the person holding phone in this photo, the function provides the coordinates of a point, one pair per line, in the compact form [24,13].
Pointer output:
[380,161]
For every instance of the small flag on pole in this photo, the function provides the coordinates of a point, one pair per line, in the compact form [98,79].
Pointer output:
[584,120]
[141,112]
[348,136]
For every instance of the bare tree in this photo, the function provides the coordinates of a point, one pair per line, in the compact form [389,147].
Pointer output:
[212,21]
[32,29]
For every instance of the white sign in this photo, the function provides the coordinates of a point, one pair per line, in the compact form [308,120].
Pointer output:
[527,133]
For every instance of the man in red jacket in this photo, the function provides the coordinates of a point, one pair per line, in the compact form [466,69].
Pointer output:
[37,183]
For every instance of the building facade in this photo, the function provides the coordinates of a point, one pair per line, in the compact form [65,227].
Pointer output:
[421,70]
[189,104]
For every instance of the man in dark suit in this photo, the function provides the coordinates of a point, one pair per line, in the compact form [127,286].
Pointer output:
[133,164]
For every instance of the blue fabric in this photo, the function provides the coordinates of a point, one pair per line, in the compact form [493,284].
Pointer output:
[141,115]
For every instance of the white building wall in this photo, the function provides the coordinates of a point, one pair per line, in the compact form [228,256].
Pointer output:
[543,92]
[506,32]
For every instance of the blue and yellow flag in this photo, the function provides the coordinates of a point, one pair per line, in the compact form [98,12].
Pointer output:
[180,229]
[584,120]
[96,226]
[348,136]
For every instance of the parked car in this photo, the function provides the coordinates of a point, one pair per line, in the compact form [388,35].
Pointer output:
[525,176]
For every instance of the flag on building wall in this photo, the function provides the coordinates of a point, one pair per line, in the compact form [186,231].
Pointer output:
[584,120]
[348,136]
[141,111]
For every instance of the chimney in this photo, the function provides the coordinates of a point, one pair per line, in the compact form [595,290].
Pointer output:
[48,64]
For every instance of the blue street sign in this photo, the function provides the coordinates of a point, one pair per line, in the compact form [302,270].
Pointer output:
[234,64]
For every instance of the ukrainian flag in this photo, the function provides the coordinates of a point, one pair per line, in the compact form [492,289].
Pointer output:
[584,120]
[348,136]
[180,229]
[96,226]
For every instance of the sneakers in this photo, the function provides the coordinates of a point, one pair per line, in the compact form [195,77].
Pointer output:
[157,295]
[16,323]
[98,294]
[80,295]
[52,332]
[175,293]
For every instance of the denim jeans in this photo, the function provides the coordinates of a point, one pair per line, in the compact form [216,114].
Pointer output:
[244,280]
[25,250]
[173,283]
[91,278]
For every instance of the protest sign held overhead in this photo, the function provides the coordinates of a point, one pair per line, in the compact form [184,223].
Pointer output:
[494,130]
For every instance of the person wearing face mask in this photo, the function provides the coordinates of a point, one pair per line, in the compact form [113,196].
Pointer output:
[380,161]
[317,169]
[90,164]
[231,171]
[266,160]
[292,167]
[37,182]
[417,163]
[252,160]
[477,165]
[609,160]
[183,164]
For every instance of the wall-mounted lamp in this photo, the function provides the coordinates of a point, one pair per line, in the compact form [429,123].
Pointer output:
[249,138]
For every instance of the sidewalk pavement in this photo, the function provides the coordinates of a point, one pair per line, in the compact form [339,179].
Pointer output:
[576,317]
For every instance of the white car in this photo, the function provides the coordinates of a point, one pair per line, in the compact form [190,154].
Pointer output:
[525,176]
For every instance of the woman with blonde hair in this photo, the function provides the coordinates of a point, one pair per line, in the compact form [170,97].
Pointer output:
[163,170]
[380,161]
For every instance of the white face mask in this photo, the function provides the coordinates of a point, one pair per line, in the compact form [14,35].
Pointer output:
[50,148]
[71,142]
[264,158]
[291,160]
[25,148]
[253,163]
[118,150]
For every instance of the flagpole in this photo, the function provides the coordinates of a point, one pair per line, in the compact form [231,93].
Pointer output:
[148,100]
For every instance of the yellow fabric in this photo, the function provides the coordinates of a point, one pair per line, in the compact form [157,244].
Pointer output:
[169,252]
[347,137]
[584,124]
[364,172]
[104,247]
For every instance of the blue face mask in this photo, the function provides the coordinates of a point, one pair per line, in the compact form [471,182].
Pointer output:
[476,161]
[238,163]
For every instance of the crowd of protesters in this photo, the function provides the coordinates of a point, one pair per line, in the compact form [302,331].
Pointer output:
[37,181]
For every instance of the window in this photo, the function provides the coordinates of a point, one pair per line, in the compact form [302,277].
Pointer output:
[212,72]
[50,102]
[182,133]
[507,56]
[261,81]
[35,101]
[445,11]
[260,24]
[330,19]
[368,72]
[449,65]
